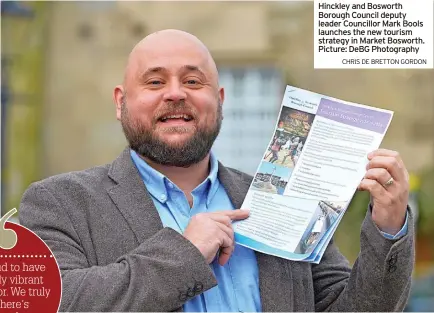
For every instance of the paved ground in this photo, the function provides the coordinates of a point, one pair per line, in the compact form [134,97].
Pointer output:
[264,186]
[281,154]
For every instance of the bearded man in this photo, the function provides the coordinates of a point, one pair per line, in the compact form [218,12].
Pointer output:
[152,231]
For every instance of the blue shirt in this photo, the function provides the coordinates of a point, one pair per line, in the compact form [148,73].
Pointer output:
[238,279]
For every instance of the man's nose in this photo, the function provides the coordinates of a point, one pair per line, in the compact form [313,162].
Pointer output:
[175,92]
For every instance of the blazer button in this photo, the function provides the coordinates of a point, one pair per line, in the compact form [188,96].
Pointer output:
[392,268]
[190,292]
[393,260]
[182,296]
[198,287]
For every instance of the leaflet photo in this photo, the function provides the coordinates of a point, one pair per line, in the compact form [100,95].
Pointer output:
[290,137]
[271,178]
[326,214]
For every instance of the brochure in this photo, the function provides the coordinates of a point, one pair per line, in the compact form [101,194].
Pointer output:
[309,173]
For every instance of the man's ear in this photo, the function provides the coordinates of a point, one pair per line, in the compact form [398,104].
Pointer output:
[118,98]
[221,95]
[221,98]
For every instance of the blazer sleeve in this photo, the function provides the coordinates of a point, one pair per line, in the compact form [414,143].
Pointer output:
[161,274]
[379,280]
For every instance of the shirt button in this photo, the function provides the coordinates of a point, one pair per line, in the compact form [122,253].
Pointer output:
[170,185]
[163,197]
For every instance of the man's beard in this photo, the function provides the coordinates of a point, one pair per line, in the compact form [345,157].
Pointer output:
[147,143]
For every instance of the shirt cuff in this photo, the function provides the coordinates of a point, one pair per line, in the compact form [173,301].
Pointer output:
[401,233]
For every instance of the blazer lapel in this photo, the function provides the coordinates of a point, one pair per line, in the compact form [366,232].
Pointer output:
[275,277]
[132,199]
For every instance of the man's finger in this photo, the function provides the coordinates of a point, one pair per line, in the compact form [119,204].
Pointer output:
[379,174]
[225,255]
[228,230]
[235,214]
[385,152]
[226,249]
[221,218]
[374,187]
[391,164]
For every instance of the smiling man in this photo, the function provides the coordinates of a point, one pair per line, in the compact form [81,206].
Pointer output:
[152,231]
[158,120]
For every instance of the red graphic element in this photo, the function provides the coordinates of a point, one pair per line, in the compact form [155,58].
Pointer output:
[30,279]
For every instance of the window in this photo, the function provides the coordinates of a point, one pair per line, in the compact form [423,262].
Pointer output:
[96,6]
[251,107]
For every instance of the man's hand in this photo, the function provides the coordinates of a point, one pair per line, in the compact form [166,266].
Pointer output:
[211,232]
[387,181]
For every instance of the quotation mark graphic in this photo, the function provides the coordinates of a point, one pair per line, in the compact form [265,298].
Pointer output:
[8,238]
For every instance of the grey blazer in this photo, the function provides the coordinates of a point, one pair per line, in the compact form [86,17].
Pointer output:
[115,255]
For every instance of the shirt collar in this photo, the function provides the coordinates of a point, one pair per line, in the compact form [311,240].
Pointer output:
[212,177]
[157,183]
[153,179]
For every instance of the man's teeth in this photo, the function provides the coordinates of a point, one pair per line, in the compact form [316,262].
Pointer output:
[183,116]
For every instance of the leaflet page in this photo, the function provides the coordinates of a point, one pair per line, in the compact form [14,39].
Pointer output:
[309,173]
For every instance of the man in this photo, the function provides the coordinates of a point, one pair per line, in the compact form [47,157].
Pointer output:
[296,153]
[152,230]
[294,142]
[276,147]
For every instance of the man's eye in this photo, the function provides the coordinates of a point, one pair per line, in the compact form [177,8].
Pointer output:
[155,82]
[192,82]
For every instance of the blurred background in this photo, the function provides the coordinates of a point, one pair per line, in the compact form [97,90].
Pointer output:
[61,60]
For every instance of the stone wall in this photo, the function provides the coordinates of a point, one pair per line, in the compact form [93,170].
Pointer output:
[89,44]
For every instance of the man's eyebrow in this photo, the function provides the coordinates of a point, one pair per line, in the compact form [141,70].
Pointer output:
[152,70]
[194,68]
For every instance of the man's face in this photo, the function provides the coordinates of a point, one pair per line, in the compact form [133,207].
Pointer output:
[171,112]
